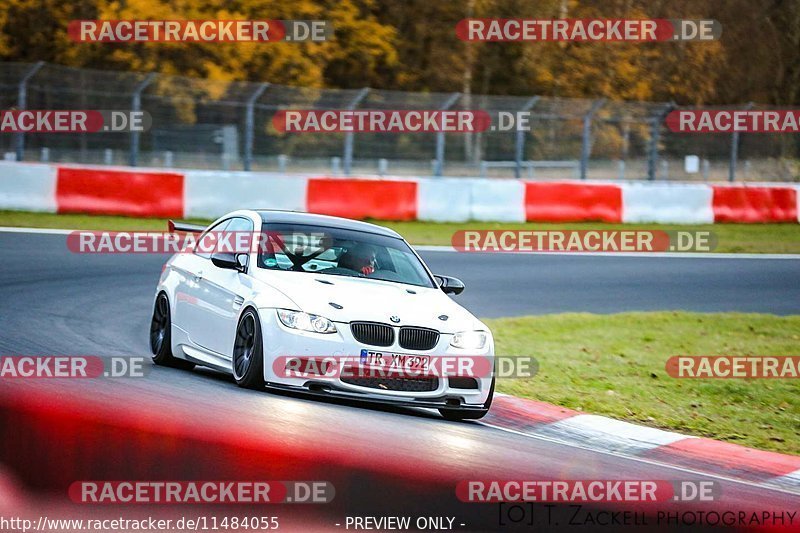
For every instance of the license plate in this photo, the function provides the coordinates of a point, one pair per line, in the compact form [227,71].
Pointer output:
[394,361]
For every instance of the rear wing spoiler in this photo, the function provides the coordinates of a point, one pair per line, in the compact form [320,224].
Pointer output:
[182,226]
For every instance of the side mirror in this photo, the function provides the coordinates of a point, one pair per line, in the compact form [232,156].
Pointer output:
[241,263]
[232,261]
[450,285]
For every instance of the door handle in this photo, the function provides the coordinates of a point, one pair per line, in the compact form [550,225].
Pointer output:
[198,276]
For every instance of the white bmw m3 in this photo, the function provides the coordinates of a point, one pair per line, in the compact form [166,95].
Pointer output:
[321,289]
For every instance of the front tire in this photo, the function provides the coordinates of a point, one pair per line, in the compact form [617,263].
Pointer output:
[456,415]
[248,352]
[161,336]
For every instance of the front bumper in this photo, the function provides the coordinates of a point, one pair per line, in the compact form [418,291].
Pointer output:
[325,390]
[281,343]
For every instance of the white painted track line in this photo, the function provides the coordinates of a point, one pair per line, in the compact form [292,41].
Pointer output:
[676,255]
[46,231]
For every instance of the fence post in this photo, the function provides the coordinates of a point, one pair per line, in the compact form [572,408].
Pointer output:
[519,145]
[22,103]
[735,149]
[136,105]
[586,145]
[655,132]
[348,137]
[438,165]
[249,124]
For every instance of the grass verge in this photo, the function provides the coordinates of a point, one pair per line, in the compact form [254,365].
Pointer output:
[614,365]
[25,219]
[731,238]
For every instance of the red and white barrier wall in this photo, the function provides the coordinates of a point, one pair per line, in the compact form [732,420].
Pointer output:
[29,187]
[209,193]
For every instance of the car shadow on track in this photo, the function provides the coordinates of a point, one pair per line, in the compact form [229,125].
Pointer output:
[208,373]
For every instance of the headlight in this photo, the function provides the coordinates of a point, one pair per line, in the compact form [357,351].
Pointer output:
[470,340]
[305,321]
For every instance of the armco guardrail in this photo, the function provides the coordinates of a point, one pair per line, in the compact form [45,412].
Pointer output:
[207,194]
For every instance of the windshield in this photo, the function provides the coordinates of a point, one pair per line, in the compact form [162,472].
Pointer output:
[340,252]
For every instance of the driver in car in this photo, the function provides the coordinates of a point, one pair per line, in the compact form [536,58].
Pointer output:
[360,258]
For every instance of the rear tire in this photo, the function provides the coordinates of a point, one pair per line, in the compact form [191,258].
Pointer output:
[457,415]
[248,352]
[161,336]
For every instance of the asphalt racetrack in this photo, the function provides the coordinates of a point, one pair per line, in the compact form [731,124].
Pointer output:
[501,285]
[54,302]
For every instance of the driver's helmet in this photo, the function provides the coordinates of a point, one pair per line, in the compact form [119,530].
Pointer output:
[360,258]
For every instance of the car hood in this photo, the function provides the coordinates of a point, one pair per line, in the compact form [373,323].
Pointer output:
[370,300]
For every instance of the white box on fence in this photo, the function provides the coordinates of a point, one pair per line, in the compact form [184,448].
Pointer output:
[691,164]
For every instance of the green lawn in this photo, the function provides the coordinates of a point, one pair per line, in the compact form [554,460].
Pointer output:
[92,222]
[751,238]
[613,365]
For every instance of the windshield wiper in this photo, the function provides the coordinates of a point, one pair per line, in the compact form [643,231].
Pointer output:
[345,274]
